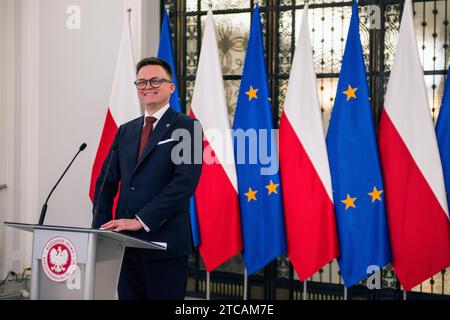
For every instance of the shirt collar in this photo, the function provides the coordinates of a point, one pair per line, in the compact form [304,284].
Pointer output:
[158,114]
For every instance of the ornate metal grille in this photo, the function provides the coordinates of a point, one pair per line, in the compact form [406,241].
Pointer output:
[328,22]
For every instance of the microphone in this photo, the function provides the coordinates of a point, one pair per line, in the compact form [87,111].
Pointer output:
[95,211]
[44,207]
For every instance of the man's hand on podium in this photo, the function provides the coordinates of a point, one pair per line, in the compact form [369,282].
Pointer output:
[122,224]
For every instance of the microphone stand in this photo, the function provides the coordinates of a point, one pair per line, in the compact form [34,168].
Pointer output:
[44,207]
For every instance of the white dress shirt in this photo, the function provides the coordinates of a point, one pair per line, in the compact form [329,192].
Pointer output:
[158,115]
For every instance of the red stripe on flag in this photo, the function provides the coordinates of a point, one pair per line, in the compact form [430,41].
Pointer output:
[109,132]
[311,233]
[218,216]
[419,227]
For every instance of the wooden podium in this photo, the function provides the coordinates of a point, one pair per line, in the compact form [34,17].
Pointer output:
[77,263]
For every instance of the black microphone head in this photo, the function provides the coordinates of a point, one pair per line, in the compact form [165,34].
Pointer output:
[83,146]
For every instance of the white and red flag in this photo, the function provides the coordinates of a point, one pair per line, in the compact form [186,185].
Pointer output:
[414,184]
[216,196]
[311,230]
[123,103]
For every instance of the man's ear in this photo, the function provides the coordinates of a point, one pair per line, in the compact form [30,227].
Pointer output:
[172,88]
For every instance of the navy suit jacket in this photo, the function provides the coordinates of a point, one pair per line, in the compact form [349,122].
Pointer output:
[155,189]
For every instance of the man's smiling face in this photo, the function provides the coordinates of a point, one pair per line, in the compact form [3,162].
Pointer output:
[150,96]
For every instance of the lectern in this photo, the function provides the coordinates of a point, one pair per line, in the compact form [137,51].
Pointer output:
[77,263]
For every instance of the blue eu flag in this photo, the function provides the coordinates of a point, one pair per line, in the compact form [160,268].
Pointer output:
[355,168]
[165,52]
[257,161]
[443,135]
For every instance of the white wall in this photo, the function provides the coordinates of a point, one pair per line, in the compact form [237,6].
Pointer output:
[75,78]
[7,123]
[55,85]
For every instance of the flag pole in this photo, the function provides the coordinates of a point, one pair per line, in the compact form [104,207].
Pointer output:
[129,17]
[245,284]
[305,290]
[208,286]
[131,35]
[405,295]
[345,293]
[208,279]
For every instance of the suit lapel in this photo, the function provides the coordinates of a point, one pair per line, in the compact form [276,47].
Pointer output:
[137,132]
[162,127]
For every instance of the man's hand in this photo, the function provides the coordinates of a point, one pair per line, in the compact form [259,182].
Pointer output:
[122,224]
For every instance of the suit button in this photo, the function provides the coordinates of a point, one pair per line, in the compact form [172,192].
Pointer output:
[132,188]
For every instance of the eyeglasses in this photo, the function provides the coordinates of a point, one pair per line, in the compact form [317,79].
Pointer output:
[155,82]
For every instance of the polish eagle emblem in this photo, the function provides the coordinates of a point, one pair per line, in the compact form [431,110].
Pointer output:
[58,259]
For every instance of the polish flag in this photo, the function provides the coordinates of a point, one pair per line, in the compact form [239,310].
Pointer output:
[306,181]
[216,196]
[123,103]
[415,194]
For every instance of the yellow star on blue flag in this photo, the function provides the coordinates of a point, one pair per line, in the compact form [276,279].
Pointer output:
[350,92]
[251,194]
[252,93]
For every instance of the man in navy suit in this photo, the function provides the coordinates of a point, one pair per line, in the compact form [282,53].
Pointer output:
[155,188]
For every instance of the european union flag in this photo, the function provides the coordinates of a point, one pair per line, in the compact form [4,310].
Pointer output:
[443,135]
[165,52]
[256,163]
[355,168]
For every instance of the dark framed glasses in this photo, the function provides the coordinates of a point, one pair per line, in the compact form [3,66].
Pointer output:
[155,82]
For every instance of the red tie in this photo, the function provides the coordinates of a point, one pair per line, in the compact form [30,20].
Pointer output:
[146,132]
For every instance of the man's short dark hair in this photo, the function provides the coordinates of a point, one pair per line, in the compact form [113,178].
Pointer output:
[152,61]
